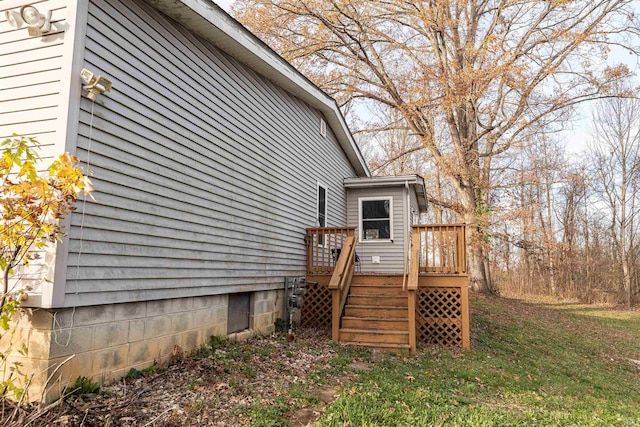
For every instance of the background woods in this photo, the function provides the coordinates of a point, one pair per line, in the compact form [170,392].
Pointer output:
[471,94]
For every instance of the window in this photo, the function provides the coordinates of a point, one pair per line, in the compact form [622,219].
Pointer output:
[376,217]
[322,206]
[322,211]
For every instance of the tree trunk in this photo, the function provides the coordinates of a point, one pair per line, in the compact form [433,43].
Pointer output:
[476,257]
[476,269]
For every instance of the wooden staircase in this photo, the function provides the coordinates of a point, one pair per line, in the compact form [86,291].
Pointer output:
[376,314]
[429,301]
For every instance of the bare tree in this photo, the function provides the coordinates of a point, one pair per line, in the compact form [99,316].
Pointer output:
[491,74]
[616,161]
[574,221]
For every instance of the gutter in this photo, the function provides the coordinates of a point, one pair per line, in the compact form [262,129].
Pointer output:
[386,181]
[383,181]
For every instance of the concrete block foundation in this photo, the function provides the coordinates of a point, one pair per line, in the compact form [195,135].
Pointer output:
[104,342]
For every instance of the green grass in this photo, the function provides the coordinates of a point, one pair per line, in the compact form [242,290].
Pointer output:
[530,365]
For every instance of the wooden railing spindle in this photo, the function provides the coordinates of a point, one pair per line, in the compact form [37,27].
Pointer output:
[324,244]
[442,248]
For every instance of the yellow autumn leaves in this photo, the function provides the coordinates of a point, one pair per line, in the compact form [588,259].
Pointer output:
[31,202]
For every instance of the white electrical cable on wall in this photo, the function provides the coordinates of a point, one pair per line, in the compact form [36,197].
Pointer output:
[56,324]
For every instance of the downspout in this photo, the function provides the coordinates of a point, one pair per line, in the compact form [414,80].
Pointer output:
[406,186]
[407,236]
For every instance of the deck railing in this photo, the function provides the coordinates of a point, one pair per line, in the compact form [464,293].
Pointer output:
[324,246]
[436,283]
[442,248]
[438,312]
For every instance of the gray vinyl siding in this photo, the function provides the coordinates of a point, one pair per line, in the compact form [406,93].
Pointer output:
[205,172]
[391,253]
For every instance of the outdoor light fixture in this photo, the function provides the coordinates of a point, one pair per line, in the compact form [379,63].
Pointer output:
[37,23]
[95,85]
[13,18]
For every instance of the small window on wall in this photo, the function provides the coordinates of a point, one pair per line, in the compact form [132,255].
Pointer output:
[376,219]
[322,206]
[322,210]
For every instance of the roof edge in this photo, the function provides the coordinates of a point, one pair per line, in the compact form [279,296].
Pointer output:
[209,21]
[388,181]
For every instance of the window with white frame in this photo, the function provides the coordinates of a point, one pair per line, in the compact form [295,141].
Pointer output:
[322,210]
[376,218]
[322,205]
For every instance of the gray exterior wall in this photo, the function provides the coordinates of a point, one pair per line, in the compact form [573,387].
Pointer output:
[391,253]
[205,172]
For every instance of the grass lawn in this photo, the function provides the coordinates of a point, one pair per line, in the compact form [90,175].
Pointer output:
[530,364]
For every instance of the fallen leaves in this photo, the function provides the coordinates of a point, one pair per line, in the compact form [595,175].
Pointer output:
[219,390]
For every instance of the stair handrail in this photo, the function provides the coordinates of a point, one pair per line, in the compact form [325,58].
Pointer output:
[407,258]
[414,264]
[340,284]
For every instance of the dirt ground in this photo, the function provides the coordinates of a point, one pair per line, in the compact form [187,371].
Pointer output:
[257,382]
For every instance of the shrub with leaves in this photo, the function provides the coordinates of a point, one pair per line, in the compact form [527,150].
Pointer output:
[31,205]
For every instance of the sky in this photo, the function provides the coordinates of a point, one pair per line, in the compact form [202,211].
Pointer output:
[225,4]
[577,133]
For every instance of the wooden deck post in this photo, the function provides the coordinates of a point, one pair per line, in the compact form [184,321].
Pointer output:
[335,315]
[412,287]
[411,302]
[309,241]
[464,313]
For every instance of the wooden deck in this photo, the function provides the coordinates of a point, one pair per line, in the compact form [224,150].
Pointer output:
[428,302]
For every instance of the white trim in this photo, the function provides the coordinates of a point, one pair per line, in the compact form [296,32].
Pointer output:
[406,224]
[323,127]
[416,181]
[361,228]
[381,181]
[70,94]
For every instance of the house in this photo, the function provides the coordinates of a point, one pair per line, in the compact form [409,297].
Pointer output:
[218,169]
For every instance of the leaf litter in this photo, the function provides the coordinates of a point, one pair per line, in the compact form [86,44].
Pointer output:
[228,384]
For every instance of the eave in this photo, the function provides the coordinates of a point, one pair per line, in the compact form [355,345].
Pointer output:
[415,181]
[212,23]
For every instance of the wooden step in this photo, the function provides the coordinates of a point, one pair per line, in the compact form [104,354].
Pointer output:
[397,348]
[363,289]
[375,323]
[383,337]
[379,300]
[384,312]
[377,279]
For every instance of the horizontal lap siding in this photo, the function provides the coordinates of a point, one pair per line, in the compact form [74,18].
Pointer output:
[205,172]
[31,102]
[391,253]
[30,77]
